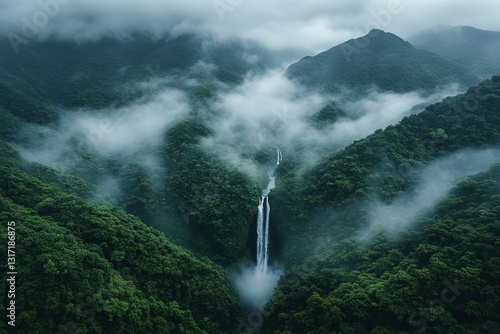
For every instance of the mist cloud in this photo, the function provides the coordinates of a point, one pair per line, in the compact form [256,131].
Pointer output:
[255,287]
[436,182]
[125,132]
[270,111]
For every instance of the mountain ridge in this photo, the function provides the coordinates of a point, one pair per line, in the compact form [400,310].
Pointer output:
[74,74]
[381,59]
[475,48]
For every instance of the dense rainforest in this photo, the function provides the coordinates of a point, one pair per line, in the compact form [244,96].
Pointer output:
[85,268]
[440,277]
[393,233]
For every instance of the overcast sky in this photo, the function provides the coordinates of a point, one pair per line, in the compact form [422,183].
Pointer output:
[313,25]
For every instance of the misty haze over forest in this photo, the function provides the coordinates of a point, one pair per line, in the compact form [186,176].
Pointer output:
[250,167]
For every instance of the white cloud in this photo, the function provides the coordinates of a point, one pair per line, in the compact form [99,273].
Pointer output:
[125,132]
[312,26]
[269,111]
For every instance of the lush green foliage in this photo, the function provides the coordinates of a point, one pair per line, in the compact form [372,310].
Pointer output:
[438,277]
[218,201]
[54,73]
[330,114]
[93,269]
[86,74]
[442,280]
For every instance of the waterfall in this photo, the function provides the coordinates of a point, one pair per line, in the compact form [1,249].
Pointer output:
[263,234]
[266,239]
[263,221]
[261,264]
[279,156]
[255,284]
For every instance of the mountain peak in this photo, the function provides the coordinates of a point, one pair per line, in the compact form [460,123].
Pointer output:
[379,59]
[376,32]
[380,33]
[379,38]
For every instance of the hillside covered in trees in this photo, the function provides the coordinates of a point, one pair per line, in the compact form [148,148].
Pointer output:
[85,268]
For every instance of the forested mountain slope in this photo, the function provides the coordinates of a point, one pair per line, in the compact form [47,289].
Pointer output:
[440,278]
[92,269]
[381,166]
[378,59]
[197,201]
[105,72]
[475,48]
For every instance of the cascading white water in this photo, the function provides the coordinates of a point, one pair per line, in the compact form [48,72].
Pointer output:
[261,264]
[263,234]
[266,239]
[263,222]
[279,157]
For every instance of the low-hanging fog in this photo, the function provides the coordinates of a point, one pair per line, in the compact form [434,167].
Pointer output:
[265,112]
[436,182]
[269,110]
[125,132]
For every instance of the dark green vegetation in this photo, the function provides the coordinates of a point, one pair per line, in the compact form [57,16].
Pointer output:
[214,199]
[477,49]
[330,114]
[92,269]
[77,75]
[378,59]
[442,278]
[97,268]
